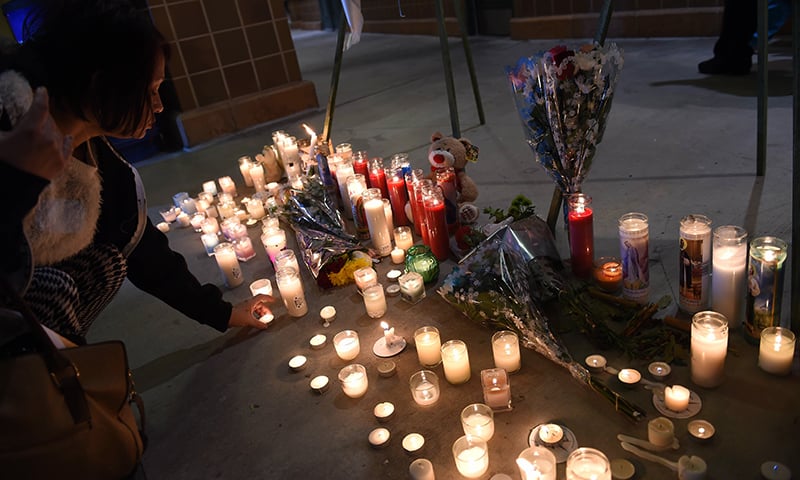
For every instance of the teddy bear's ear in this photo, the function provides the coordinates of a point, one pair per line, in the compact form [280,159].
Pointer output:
[472,150]
[436,136]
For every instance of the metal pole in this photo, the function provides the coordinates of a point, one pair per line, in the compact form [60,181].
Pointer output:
[761,127]
[462,25]
[337,67]
[448,71]
[795,296]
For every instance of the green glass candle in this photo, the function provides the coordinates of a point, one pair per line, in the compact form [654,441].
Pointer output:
[421,259]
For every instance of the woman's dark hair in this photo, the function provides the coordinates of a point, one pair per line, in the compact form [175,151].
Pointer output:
[96,57]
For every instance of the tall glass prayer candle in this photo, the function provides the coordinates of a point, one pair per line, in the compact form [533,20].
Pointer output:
[245,164]
[227,185]
[244,248]
[634,246]
[291,289]
[286,258]
[356,186]
[228,265]
[274,241]
[400,160]
[446,180]
[257,177]
[729,270]
[695,257]
[361,164]
[376,220]
[429,346]
[387,211]
[580,221]
[436,222]
[709,347]
[411,180]
[420,187]
[291,154]
[377,176]
[345,150]
[505,350]
[455,359]
[764,285]
[255,207]
[398,194]
[344,170]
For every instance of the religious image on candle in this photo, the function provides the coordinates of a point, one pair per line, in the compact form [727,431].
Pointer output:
[764,285]
[634,244]
[695,258]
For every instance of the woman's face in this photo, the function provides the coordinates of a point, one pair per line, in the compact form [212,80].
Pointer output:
[155,106]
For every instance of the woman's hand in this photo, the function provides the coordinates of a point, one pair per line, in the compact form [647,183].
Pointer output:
[249,312]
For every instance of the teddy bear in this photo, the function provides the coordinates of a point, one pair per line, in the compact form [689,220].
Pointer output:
[453,152]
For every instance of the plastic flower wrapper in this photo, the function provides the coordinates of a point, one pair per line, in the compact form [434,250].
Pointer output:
[563,98]
[503,283]
[329,252]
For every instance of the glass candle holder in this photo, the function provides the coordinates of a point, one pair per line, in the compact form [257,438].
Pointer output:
[196,221]
[356,186]
[354,381]
[210,240]
[776,351]
[286,258]
[505,350]
[344,171]
[178,198]
[478,419]
[361,164]
[255,208]
[420,186]
[345,150]
[377,176]
[694,262]
[376,221]
[580,222]
[729,273]
[210,225]
[496,389]
[455,359]
[709,346]
[291,290]
[346,344]
[171,214]
[412,178]
[420,259]
[274,241]
[634,245]
[608,274]
[227,185]
[429,346]
[228,264]
[245,164]
[445,179]
[537,463]
[375,300]
[471,455]
[188,206]
[398,194]
[403,239]
[765,274]
[436,222]
[365,277]
[412,287]
[424,387]
[244,248]
[387,211]
[262,286]
[588,464]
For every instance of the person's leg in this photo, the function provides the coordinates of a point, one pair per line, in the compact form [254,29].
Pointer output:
[733,54]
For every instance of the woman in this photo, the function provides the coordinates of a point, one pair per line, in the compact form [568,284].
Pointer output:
[102,62]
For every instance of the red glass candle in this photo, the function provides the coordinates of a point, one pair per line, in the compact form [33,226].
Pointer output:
[377,176]
[419,187]
[411,179]
[361,164]
[398,195]
[436,222]
[446,180]
[581,234]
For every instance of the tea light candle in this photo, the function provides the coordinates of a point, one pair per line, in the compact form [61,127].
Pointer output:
[383,411]
[184,220]
[421,469]
[472,456]
[776,350]
[365,277]
[496,388]
[386,368]
[297,363]
[676,398]
[228,265]
[424,387]
[412,287]
[163,227]
[608,274]
[375,301]
[429,346]
[327,314]
[354,380]
[403,238]
[379,437]
[660,431]
[413,442]
[210,240]
[701,430]
[227,185]
[629,376]
[346,344]
[551,433]
[398,256]
[319,383]
[266,318]
[478,419]
[709,346]
[505,350]
[537,463]
[659,370]
[455,359]
[596,363]
[393,275]
[262,286]
[210,187]
[318,341]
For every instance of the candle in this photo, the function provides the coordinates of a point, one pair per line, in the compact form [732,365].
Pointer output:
[634,239]
[171,214]
[255,208]
[319,383]
[374,300]
[428,343]
[505,350]
[413,442]
[210,187]
[398,194]
[356,186]
[701,430]
[445,179]
[184,220]
[695,256]
[235,230]
[412,178]
[365,277]
[274,241]
[728,278]
[354,380]
[496,388]
[318,341]
[412,287]
[212,212]
[608,274]
[210,225]
[387,368]
[776,351]
[596,363]
[764,285]
[659,370]
[551,434]
[388,334]
[344,171]
[345,150]
[383,411]
[286,258]
[262,286]
[661,432]
[471,455]
[361,164]
[455,359]
[297,363]
[188,206]
[436,222]
[379,437]
[346,344]
[387,211]
[245,164]
[420,187]
[421,469]
[163,227]
[403,238]
[537,463]
[398,256]
[228,265]
[676,398]
[709,346]
[244,248]
[327,314]
[226,209]
[581,234]
[377,176]
[227,185]
[629,376]
[478,419]
[376,221]
[202,204]
[241,214]
[588,464]
[424,387]
[210,240]
[291,290]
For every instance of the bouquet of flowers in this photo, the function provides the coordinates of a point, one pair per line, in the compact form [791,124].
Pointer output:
[563,98]
[329,252]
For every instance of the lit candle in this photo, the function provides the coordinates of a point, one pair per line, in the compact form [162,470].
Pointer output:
[262,286]
[776,352]
[286,258]
[537,463]
[398,256]
[436,222]
[676,398]
[424,387]
[210,187]
[228,265]
[318,341]
[377,176]
[365,277]
[695,257]
[596,363]
[345,150]
[478,419]
[361,164]
[661,431]
[226,209]
[383,411]
[244,248]
[403,238]
[634,240]
[588,464]
[709,346]
[375,300]
[629,376]
[354,380]
[505,350]
[413,442]
[356,186]
[163,227]
[388,334]
[344,171]
[255,208]
[297,363]
[412,287]
[171,214]
[445,178]
[701,430]
[429,346]
[184,220]
[346,344]
[274,241]
[551,434]
[245,164]
[659,370]
[210,240]
[764,285]
[319,383]
[471,455]
[327,314]
[455,359]
[398,194]
[379,437]
[581,234]
[421,469]
[210,225]
[608,274]
[227,185]
[729,273]
[291,290]
[376,221]
[496,388]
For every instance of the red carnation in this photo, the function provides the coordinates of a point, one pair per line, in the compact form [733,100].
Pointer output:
[559,53]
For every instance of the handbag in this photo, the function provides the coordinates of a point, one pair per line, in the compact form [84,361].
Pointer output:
[67,413]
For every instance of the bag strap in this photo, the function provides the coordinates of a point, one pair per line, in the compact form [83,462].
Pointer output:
[63,372]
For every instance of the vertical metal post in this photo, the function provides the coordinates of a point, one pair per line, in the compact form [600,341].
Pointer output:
[795,295]
[462,25]
[448,71]
[337,67]
[763,95]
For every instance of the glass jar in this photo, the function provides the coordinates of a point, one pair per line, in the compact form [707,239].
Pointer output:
[421,259]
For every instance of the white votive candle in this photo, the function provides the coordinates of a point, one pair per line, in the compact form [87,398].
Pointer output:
[398,256]
[227,185]
[588,464]
[429,346]
[403,238]
[776,351]
[262,286]
[210,187]
[318,341]
[228,264]
[383,411]
[346,344]
[375,301]
[709,346]
[354,380]
[163,227]
[676,398]
[660,431]
[364,277]
[379,437]
[297,363]
[274,241]
[455,359]
[471,455]
[184,220]
[255,208]
[413,442]
[478,419]
[505,350]
[537,463]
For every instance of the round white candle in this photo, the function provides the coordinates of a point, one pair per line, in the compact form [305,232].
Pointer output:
[383,411]
[728,277]
[245,164]
[375,300]
[318,341]
[455,359]
[776,350]
[291,289]
[403,238]
[429,346]
[588,464]
[413,442]
[709,346]
[163,227]
[424,387]
[505,350]
[596,362]
[537,463]
[478,419]
[262,286]
[551,433]
[701,430]
[379,437]
[377,222]
[274,241]
[319,383]
[629,376]
[227,185]
[365,277]
[676,398]
[297,363]
[346,344]
[660,431]
[421,469]
[471,455]
[659,370]
[228,265]
[354,380]
[398,256]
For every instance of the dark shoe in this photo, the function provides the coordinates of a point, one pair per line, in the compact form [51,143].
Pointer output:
[725,66]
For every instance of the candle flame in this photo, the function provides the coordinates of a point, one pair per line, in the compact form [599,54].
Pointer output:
[309,130]
[384,325]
